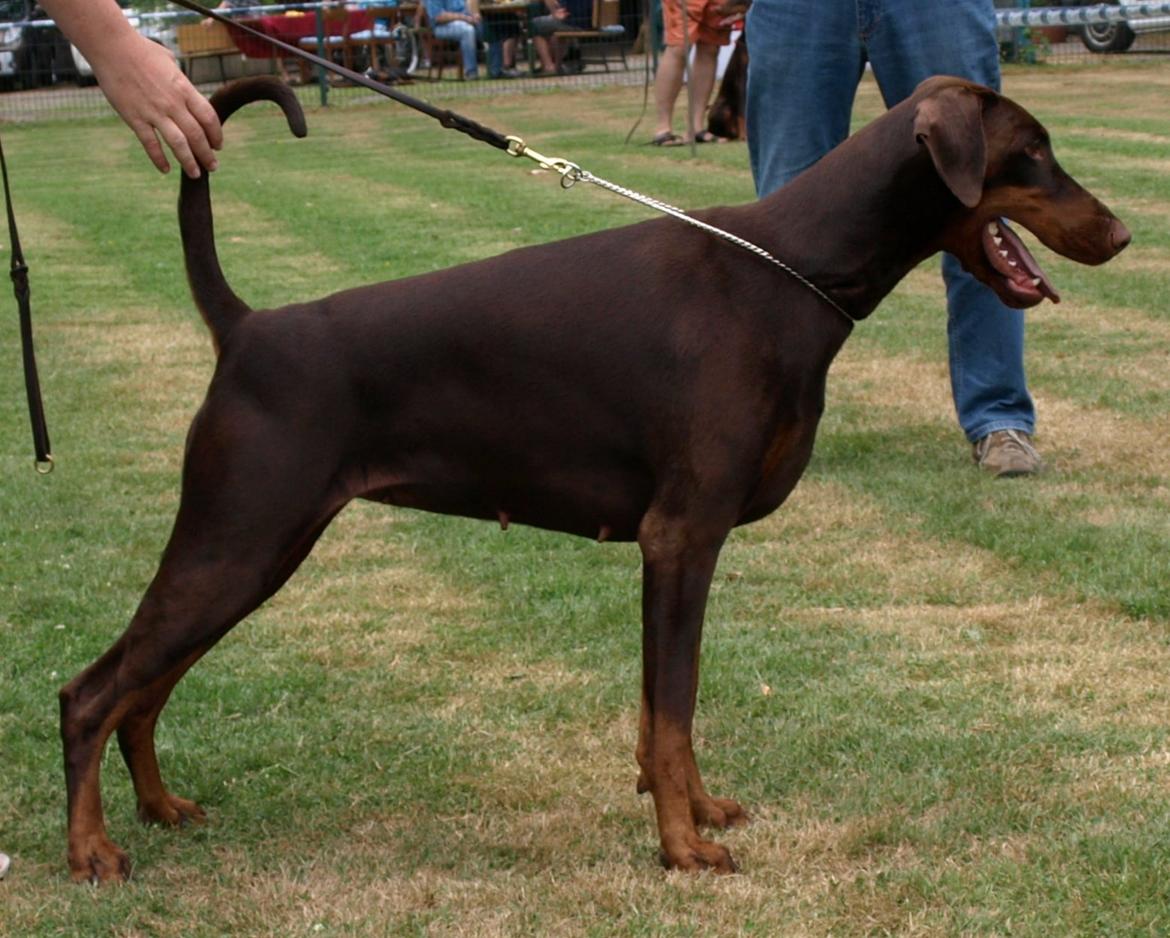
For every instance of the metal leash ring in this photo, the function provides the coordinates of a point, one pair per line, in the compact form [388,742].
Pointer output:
[569,172]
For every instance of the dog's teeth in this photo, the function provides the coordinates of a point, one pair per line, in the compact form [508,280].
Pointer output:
[998,240]
[993,228]
[1013,264]
[1003,253]
[1035,281]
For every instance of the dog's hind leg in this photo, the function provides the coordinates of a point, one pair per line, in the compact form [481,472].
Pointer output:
[234,545]
[136,742]
[678,563]
[136,731]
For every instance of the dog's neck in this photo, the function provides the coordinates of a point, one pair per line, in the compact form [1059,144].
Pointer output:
[879,194]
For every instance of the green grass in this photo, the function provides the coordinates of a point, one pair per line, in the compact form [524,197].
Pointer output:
[942,697]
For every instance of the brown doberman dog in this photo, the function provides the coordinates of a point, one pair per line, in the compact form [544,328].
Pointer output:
[664,388]
[727,116]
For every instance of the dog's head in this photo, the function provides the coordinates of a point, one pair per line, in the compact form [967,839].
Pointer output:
[996,159]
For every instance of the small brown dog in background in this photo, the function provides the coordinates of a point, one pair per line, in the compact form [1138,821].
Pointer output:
[727,116]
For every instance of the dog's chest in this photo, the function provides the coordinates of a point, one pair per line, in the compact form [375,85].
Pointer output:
[783,463]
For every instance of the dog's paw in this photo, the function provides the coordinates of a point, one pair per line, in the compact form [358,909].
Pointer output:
[171,812]
[721,813]
[694,855]
[99,861]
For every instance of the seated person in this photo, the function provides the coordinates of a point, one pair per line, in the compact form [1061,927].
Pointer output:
[563,16]
[501,32]
[459,21]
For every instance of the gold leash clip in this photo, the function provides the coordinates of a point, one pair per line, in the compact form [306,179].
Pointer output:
[570,172]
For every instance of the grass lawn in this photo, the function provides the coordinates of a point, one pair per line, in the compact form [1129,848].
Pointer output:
[943,698]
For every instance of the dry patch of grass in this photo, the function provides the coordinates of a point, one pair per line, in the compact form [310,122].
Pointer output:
[1100,441]
[285,258]
[1120,165]
[894,388]
[1093,135]
[845,536]
[52,241]
[1139,259]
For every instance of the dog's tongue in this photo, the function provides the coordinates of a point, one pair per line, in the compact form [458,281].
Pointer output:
[1009,256]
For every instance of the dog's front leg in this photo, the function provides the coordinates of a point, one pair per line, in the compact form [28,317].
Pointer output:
[678,563]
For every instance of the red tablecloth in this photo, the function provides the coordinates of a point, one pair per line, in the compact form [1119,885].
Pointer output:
[290,28]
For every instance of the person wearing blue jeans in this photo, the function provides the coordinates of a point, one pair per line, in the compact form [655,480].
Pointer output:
[806,60]
[459,21]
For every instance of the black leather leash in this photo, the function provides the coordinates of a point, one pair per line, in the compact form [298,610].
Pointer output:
[32,384]
[447,118]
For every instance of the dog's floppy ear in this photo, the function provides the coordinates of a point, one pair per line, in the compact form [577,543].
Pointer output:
[949,123]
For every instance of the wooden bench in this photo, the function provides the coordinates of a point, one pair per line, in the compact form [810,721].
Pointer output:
[199,41]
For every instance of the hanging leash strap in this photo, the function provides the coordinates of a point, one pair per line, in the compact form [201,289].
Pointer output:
[514,146]
[32,384]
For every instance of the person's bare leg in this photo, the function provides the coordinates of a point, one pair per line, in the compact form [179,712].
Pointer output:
[702,84]
[667,84]
[544,52]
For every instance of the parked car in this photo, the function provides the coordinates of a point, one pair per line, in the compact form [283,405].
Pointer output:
[13,17]
[34,53]
[1119,36]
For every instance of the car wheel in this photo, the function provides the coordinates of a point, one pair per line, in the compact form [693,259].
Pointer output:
[1107,37]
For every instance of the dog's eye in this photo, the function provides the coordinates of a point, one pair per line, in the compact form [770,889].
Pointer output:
[1037,151]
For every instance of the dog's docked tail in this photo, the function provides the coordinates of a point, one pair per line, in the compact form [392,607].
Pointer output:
[220,306]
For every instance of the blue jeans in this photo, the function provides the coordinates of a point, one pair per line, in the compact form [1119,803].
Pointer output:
[468,37]
[807,57]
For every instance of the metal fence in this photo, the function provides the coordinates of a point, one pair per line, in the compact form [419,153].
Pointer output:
[1081,32]
[42,76]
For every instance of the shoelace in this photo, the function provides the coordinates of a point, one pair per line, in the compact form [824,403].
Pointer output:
[1014,437]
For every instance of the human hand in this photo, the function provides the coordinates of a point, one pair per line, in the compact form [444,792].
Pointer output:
[150,93]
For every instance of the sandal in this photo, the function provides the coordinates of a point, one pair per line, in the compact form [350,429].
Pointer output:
[667,139]
[705,136]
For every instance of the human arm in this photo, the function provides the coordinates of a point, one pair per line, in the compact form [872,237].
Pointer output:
[143,83]
[438,14]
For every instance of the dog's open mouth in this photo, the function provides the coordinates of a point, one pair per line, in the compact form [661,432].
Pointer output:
[1022,275]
